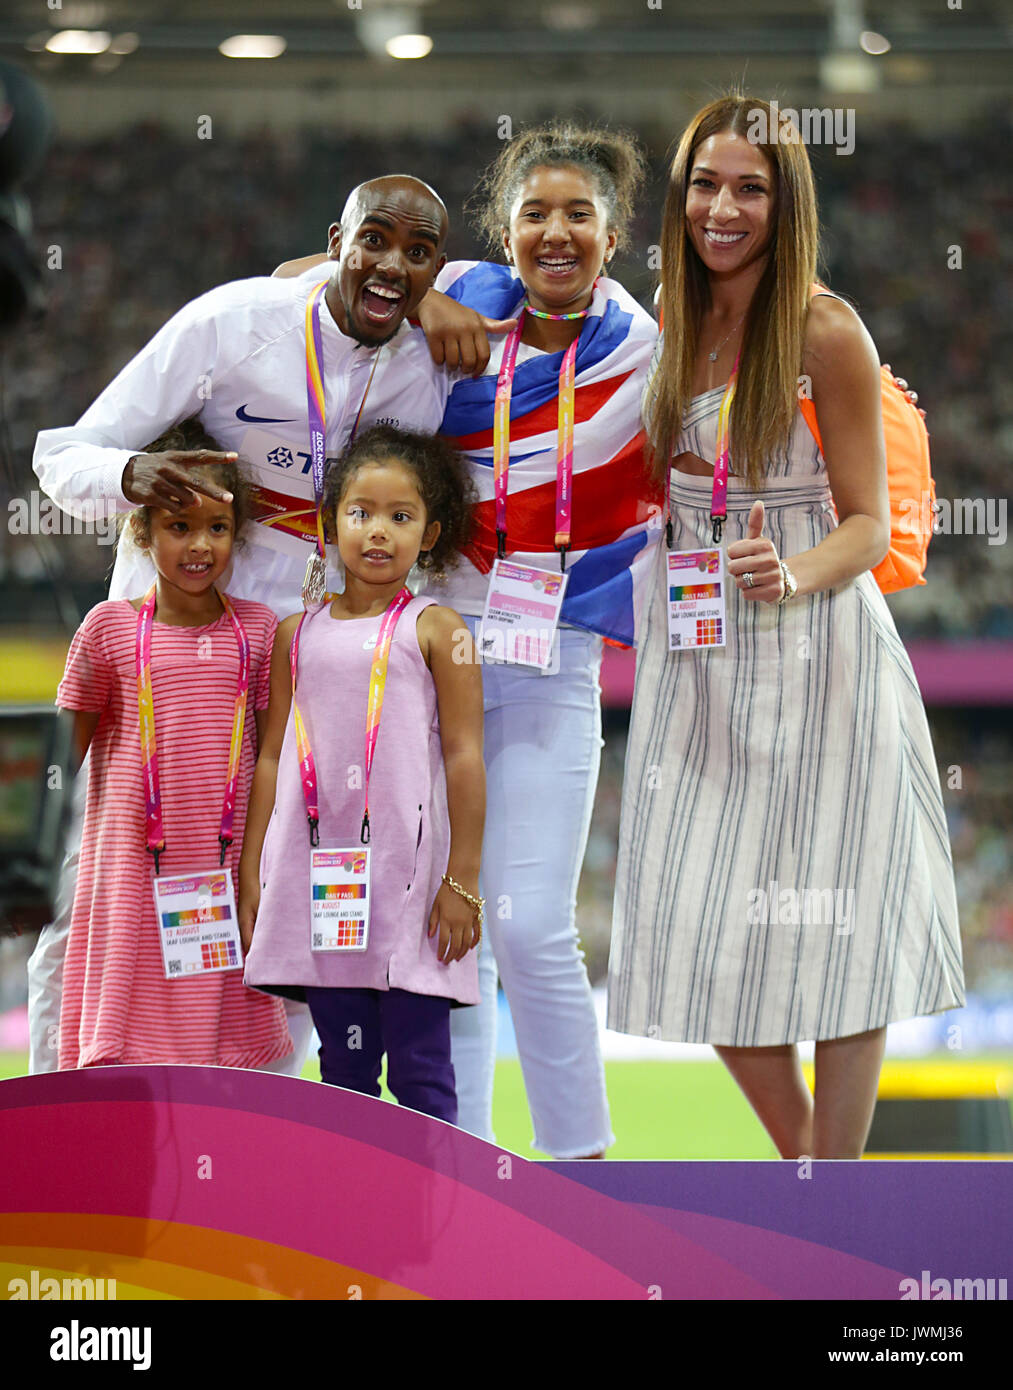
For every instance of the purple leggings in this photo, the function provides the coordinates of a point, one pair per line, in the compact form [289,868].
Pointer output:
[413,1030]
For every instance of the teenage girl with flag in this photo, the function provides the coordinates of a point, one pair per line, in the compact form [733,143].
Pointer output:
[359,880]
[169,691]
[552,430]
[784,762]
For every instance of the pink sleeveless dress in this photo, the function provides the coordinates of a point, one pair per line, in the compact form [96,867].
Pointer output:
[409,824]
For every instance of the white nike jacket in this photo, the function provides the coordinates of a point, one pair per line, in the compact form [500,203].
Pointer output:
[236,357]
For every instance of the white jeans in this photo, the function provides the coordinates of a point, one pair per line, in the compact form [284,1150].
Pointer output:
[542,754]
[45,965]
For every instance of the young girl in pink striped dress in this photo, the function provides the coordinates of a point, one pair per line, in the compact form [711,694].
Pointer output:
[192,655]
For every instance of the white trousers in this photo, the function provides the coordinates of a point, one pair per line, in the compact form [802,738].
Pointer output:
[542,754]
[45,965]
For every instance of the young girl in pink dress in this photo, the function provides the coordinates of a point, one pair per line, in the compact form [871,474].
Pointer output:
[375,672]
[189,667]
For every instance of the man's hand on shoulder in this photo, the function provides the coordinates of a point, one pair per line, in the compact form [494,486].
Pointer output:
[458,336]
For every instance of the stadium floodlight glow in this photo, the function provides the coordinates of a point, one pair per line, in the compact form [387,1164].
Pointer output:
[568,17]
[253,46]
[409,46]
[852,73]
[79,41]
[382,28]
[874,43]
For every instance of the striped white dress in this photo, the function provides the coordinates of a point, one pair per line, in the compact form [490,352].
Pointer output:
[784,870]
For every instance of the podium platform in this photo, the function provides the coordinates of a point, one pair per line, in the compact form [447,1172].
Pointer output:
[208,1183]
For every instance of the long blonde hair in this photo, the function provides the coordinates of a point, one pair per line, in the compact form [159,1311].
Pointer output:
[766,394]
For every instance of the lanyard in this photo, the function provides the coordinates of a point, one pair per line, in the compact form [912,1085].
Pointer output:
[316,411]
[154,832]
[377,684]
[564,435]
[719,493]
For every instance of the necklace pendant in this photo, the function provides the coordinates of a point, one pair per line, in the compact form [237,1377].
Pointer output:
[314,585]
[713,356]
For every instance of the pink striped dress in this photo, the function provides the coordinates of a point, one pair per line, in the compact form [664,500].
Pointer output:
[117,1004]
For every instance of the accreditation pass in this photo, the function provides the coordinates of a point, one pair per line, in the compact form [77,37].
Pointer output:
[339,899]
[198,928]
[695,593]
[521,615]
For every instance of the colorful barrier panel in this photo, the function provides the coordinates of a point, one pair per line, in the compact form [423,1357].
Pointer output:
[208,1183]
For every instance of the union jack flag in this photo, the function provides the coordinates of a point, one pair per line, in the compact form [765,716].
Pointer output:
[616,510]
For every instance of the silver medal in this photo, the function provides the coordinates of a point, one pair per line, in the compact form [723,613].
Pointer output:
[314,585]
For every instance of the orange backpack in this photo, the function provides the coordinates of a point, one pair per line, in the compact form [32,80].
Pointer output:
[910,481]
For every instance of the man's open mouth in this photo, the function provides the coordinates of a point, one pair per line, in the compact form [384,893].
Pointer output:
[380,303]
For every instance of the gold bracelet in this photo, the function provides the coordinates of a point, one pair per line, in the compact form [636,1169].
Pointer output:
[477,903]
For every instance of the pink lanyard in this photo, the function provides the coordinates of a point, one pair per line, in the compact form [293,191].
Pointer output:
[719,493]
[315,410]
[564,434]
[154,832]
[377,685]
[316,418]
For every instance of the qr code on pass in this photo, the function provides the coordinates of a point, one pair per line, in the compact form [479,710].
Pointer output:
[175,967]
[318,939]
[676,639]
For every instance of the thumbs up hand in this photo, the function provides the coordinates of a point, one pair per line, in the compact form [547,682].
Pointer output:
[753,562]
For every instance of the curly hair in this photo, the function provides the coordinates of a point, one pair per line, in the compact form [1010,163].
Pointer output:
[188,436]
[611,158]
[444,482]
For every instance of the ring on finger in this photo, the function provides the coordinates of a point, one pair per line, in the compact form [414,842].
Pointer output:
[747,579]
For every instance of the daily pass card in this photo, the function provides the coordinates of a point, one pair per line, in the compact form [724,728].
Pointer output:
[339,899]
[197,924]
[696,599]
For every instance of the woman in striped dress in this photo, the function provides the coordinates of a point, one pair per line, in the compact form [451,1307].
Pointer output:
[784,871]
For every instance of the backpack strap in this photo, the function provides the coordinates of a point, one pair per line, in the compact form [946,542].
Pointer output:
[805,404]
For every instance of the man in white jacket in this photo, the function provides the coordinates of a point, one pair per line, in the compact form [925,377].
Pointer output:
[236,358]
